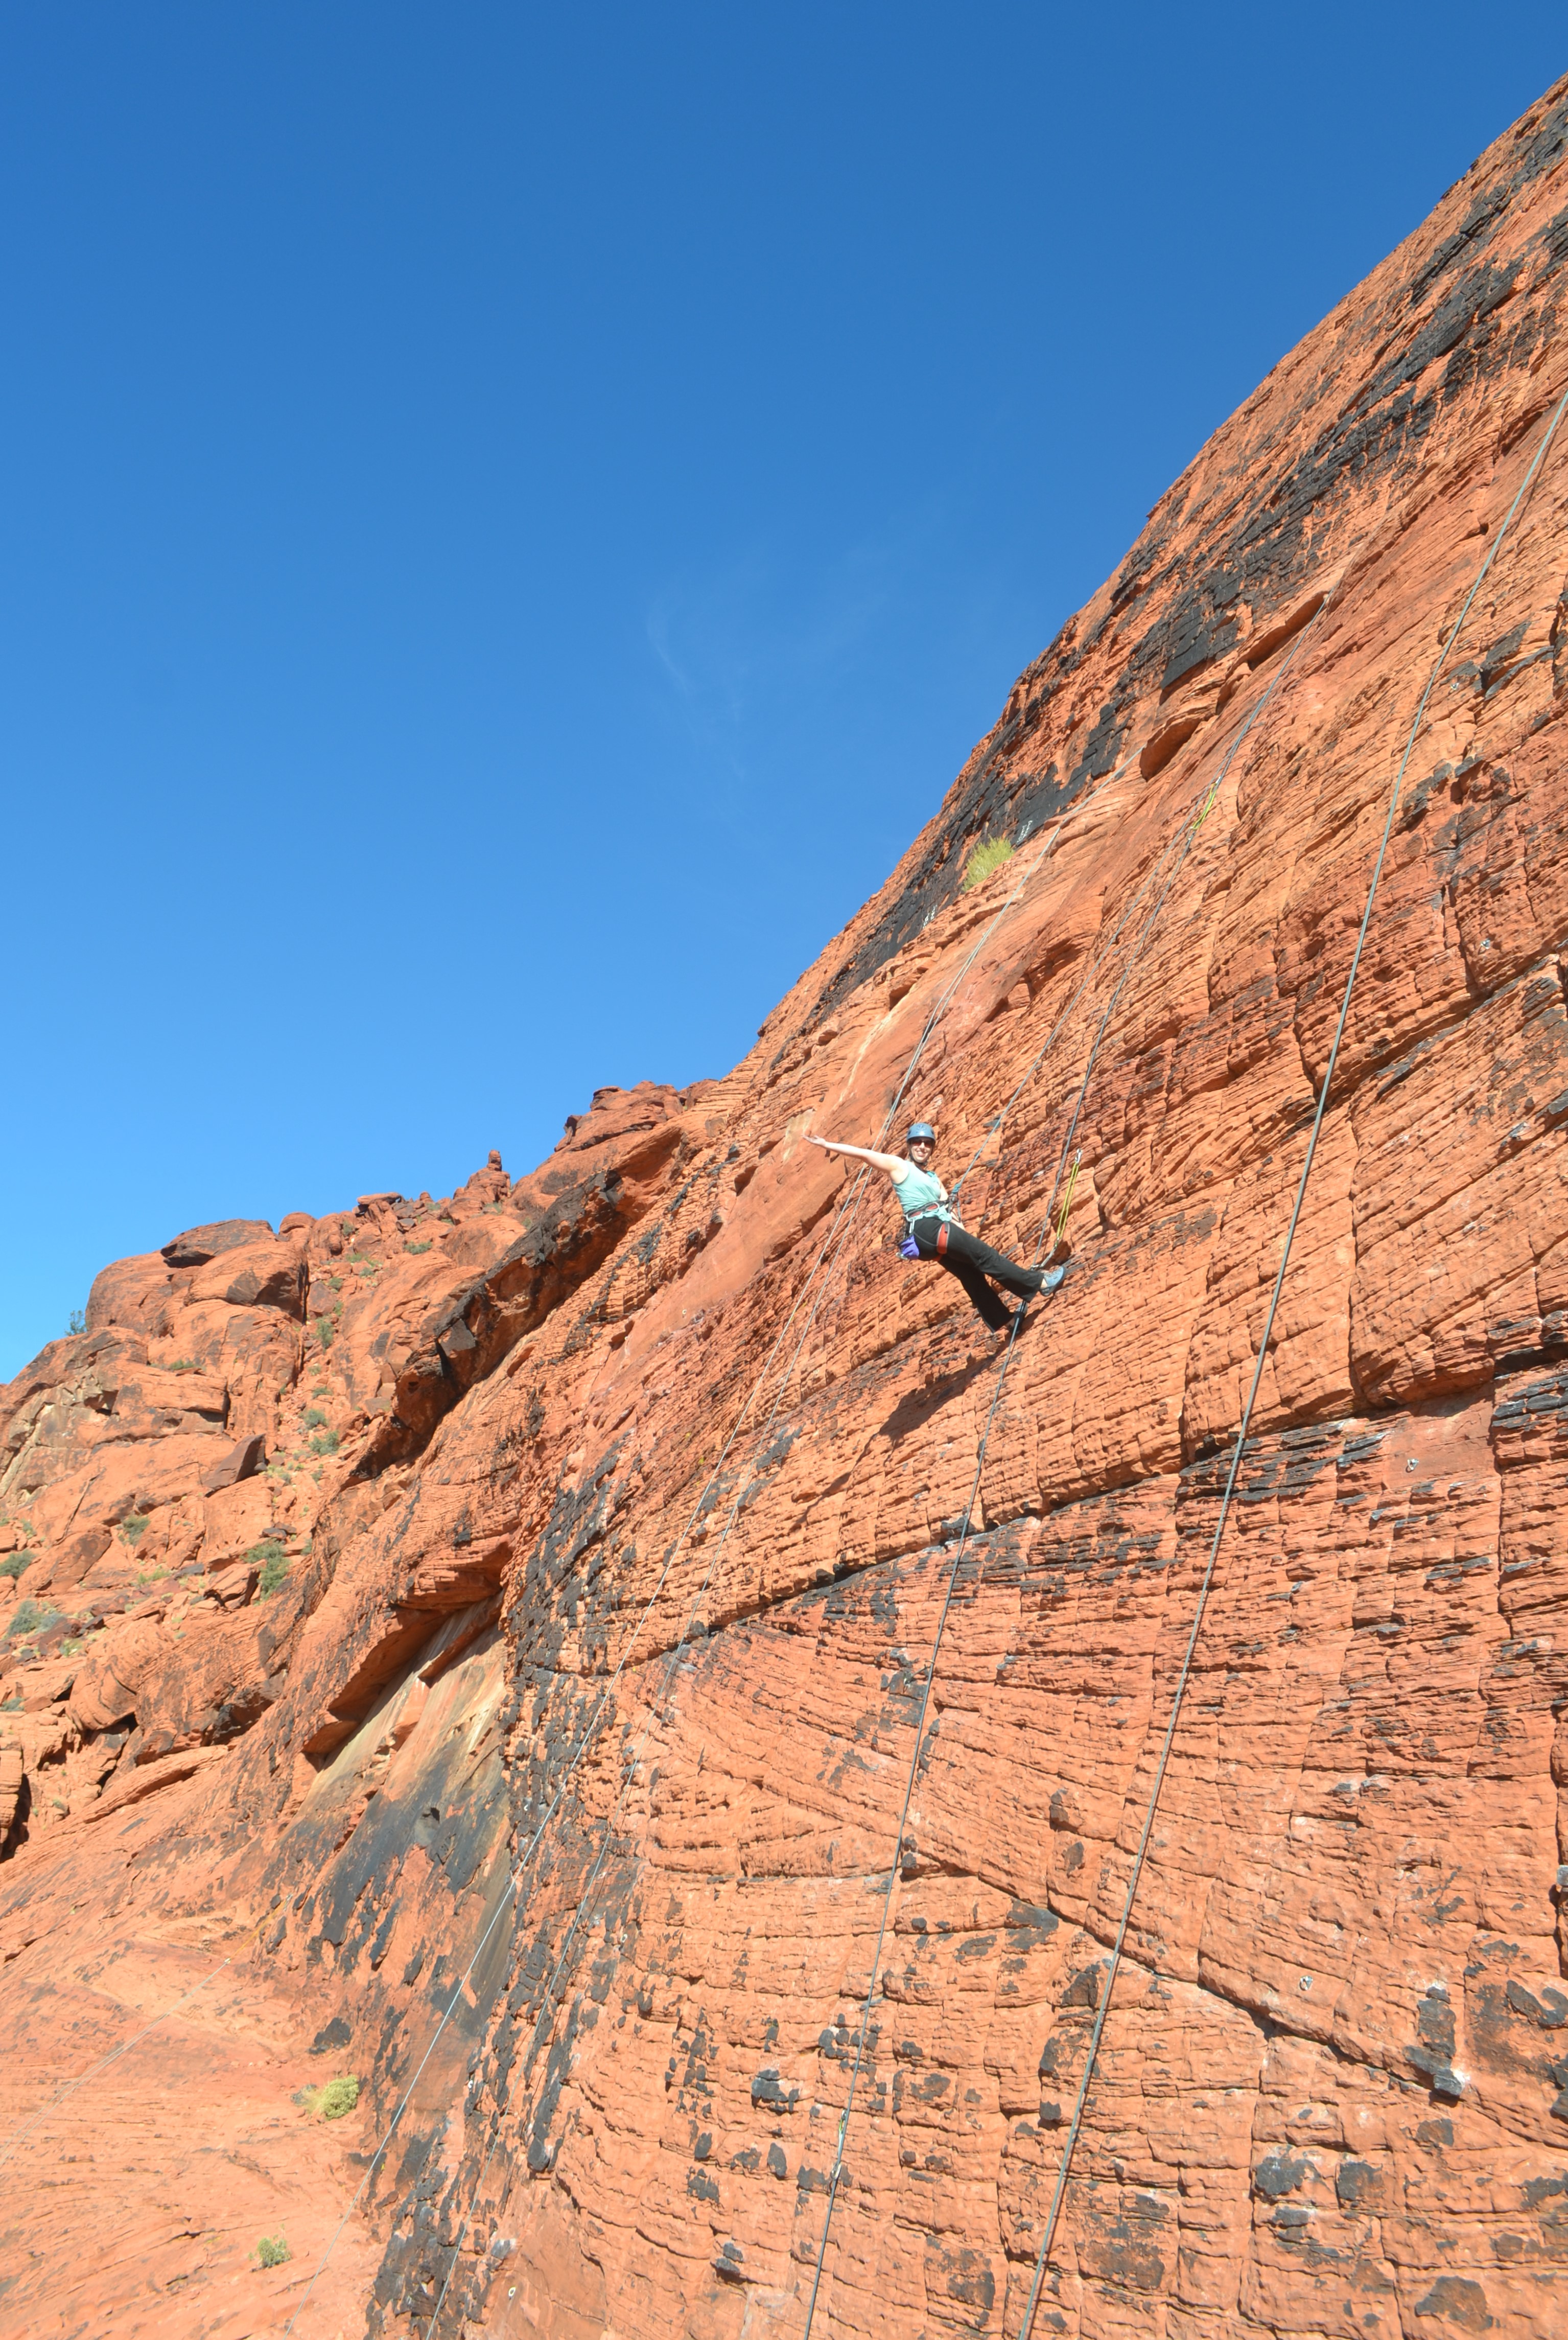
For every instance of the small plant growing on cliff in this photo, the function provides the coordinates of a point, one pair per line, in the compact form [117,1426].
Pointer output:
[326,1444]
[420,1247]
[32,1617]
[78,1322]
[985,858]
[269,1557]
[324,1331]
[331,2103]
[132,1528]
[314,1417]
[13,1564]
[180,1366]
[272,2251]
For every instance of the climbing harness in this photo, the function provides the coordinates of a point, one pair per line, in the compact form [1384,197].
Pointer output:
[1175,856]
[1134,1877]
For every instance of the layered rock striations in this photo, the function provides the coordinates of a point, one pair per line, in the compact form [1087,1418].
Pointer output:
[478,1649]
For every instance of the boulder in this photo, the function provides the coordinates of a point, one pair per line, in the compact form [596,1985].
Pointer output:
[255,1276]
[243,1461]
[197,1245]
[133,1293]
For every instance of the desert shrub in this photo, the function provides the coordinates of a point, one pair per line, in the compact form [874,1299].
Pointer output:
[327,1444]
[332,2101]
[180,1366]
[13,1564]
[314,1417]
[78,1322]
[983,860]
[324,1331]
[269,1557]
[132,1528]
[272,2251]
[32,1617]
[418,1246]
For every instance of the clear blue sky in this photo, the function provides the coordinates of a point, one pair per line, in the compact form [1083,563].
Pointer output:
[514,516]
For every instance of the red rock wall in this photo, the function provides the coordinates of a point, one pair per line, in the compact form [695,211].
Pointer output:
[605,1594]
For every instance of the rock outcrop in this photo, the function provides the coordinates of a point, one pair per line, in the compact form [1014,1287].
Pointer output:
[483,1647]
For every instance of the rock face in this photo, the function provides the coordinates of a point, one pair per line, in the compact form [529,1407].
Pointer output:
[528,1732]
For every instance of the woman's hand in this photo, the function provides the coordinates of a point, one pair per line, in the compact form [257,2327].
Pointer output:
[825,1143]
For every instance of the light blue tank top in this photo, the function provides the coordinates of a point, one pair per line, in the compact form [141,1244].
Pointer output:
[922,1197]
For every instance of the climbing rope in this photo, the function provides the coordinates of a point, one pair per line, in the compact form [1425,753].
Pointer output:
[1172,861]
[1182,840]
[1114,1966]
[70,2087]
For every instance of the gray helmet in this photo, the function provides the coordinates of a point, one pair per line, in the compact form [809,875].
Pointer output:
[919,1129]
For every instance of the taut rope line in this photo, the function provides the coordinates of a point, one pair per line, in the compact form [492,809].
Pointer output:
[1070,2142]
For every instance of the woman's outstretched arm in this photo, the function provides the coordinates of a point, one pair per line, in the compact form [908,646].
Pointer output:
[893,1163]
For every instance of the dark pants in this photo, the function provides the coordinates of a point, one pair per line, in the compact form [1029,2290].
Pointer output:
[971,1262]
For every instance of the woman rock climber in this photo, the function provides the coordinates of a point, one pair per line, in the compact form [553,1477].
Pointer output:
[932,1223]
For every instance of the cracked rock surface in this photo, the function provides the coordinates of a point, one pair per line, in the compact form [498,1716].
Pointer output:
[492,1638]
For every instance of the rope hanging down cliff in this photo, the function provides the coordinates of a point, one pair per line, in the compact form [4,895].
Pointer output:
[1175,858]
[1114,1966]
[94,2070]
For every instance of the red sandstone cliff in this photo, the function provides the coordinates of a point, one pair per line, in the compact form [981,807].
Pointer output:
[403,1625]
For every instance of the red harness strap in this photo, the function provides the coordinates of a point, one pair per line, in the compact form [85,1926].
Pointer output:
[941,1239]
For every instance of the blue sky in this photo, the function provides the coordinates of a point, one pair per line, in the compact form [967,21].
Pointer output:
[514,517]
